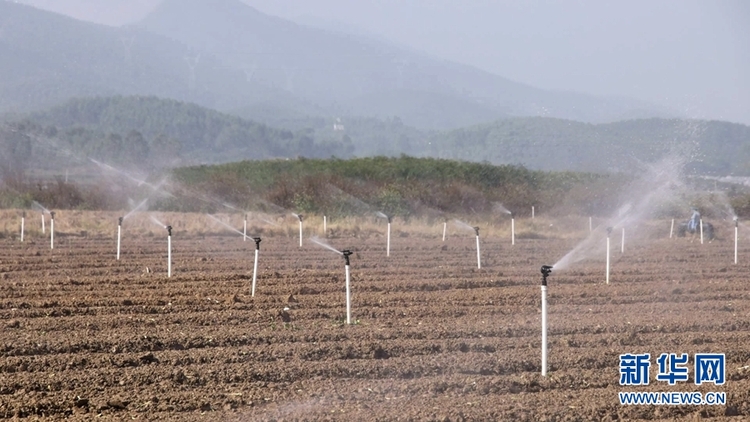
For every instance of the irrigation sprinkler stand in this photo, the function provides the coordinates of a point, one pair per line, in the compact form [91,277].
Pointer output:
[23,222]
[346,254]
[244,229]
[255,265]
[325,226]
[736,237]
[671,229]
[52,230]
[609,232]
[445,227]
[701,224]
[512,229]
[388,238]
[119,230]
[300,216]
[169,251]
[532,212]
[546,270]
[479,260]
[591,224]
[43,228]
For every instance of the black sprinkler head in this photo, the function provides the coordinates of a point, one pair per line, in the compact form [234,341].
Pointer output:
[245,217]
[546,270]
[736,222]
[119,221]
[23,214]
[300,216]
[476,230]
[257,242]
[169,230]
[346,254]
[512,215]
[52,213]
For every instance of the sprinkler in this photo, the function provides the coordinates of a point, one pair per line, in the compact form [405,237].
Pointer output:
[736,236]
[445,227]
[43,228]
[546,270]
[532,212]
[346,254]
[325,226]
[479,260]
[52,230]
[512,229]
[300,217]
[119,229]
[255,266]
[169,250]
[23,222]
[388,236]
[609,232]
[244,229]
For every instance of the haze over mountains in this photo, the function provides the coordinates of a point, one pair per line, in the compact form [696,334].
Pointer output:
[168,77]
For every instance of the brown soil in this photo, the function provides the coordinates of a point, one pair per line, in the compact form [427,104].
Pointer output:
[433,337]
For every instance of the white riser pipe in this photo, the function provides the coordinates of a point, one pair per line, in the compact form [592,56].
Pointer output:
[169,256]
[512,231]
[388,242]
[479,259]
[544,331]
[23,223]
[445,227]
[348,298]
[671,229]
[119,230]
[607,279]
[255,273]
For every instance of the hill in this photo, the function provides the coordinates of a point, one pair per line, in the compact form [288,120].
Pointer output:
[706,147]
[354,75]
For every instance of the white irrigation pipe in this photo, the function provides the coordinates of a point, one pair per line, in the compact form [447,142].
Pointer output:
[591,225]
[169,251]
[609,230]
[546,269]
[300,232]
[445,227]
[479,259]
[119,230]
[348,288]
[532,212]
[325,226]
[255,265]
[244,229]
[52,230]
[43,228]
[512,231]
[23,223]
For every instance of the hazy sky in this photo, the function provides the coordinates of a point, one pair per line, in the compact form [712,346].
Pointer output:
[691,55]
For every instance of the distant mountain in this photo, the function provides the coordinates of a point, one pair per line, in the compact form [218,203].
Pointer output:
[356,75]
[46,59]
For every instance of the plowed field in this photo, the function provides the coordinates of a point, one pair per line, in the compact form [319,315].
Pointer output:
[432,337]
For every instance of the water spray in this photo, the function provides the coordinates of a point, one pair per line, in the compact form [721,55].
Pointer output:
[671,229]
[52,230]
[255,265]
[609,232]
[346,254]
[736,237]
[23,223]
[169,250]
[479,259]
[119,230]
[546,270]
